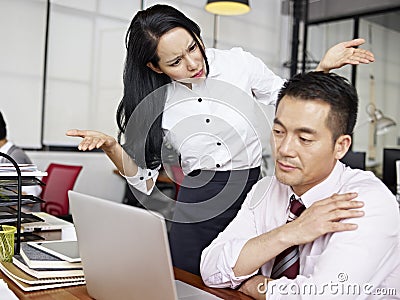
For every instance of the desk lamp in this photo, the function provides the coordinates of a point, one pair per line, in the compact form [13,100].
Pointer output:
[379,125]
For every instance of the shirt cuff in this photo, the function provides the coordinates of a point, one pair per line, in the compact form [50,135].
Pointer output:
[138,181]
[232,254]
[224,275]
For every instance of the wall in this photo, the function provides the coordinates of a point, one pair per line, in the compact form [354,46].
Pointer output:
[84,70]
[86,55]
[384,43]
[85,58]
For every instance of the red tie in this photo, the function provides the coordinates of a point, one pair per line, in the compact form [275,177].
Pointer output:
[287,262]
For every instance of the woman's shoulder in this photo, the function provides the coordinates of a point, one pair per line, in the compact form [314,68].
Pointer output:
[235,51]
[223,60]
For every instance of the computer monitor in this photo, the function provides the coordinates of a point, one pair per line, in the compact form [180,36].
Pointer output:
[389,168]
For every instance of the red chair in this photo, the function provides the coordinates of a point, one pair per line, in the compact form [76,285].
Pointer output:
[59,180]
[174,174]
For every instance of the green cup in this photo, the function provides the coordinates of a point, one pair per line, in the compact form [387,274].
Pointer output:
[7,242]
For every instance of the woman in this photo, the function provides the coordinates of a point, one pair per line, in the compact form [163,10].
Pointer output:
[164,47]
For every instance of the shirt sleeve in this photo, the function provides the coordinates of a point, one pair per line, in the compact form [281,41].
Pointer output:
[139,180]
[265,84]
[218,259]
[354,263]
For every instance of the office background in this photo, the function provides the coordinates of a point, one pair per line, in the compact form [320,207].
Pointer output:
[61,65]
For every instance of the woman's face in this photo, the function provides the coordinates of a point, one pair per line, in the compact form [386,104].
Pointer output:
[180,56]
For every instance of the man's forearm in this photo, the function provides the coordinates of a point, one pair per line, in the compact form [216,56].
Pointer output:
[259,250]
[255,287]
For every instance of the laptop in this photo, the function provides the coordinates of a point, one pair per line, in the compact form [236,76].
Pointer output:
[125,252]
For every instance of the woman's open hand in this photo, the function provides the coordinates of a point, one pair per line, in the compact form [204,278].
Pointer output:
[345,53]
[93,139]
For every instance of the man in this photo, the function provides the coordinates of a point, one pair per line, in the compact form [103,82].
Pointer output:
[339,251]
[17,154]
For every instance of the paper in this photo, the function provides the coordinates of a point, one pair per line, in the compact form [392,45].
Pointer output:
[23,167]
[26,170]
[5,292]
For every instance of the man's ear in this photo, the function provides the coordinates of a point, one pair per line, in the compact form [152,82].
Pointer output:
[342,145]
[154,68]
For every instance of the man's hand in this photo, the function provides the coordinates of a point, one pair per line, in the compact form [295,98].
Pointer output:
[343,54]
[255,287]
[324,217]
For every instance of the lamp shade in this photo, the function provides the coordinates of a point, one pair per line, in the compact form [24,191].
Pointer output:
[228,8]
[383,124]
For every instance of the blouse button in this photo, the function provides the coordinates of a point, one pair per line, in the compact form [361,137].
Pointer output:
[207,120]
[219,144]
[141,178]
[217,165]
[199,99]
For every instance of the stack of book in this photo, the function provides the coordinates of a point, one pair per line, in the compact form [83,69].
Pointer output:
[34,269]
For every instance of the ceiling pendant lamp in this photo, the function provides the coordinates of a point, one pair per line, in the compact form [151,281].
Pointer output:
[228,8]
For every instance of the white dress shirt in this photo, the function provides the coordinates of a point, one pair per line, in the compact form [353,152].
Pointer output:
[213,125]
[367,259]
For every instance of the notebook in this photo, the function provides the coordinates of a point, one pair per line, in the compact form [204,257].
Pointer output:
[125,252]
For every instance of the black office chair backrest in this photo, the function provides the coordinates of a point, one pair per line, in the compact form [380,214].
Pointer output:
[355,160]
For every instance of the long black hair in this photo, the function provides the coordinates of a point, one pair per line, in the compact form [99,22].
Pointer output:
[141,42]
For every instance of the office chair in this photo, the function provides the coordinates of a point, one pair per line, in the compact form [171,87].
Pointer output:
[355,160]
[177,177]
[59,180]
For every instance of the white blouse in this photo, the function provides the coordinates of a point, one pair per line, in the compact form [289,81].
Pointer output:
[213,125]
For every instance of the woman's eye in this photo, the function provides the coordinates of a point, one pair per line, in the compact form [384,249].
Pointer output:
[175,63]
[193,47]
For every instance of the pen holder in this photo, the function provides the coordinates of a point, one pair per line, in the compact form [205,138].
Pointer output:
[7,242]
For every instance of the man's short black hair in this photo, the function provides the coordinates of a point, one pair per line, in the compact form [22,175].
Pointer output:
[3,127]
[330,88]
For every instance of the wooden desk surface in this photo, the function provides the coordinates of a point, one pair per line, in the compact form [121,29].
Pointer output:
[80,292]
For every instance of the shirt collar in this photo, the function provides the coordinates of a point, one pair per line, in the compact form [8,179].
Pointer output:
[6,147]
[324,189]
[213,68]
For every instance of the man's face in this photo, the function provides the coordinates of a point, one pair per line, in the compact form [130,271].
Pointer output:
[302,143]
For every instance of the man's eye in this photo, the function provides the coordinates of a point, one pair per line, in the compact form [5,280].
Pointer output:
[306,141]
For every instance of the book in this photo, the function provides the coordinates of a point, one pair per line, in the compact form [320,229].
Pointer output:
[38,259]
[7,167]
[29,283]
[45,273]
[64,249]
[47,222]
[30,170]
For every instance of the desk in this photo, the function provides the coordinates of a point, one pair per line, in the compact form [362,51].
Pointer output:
[80,292]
